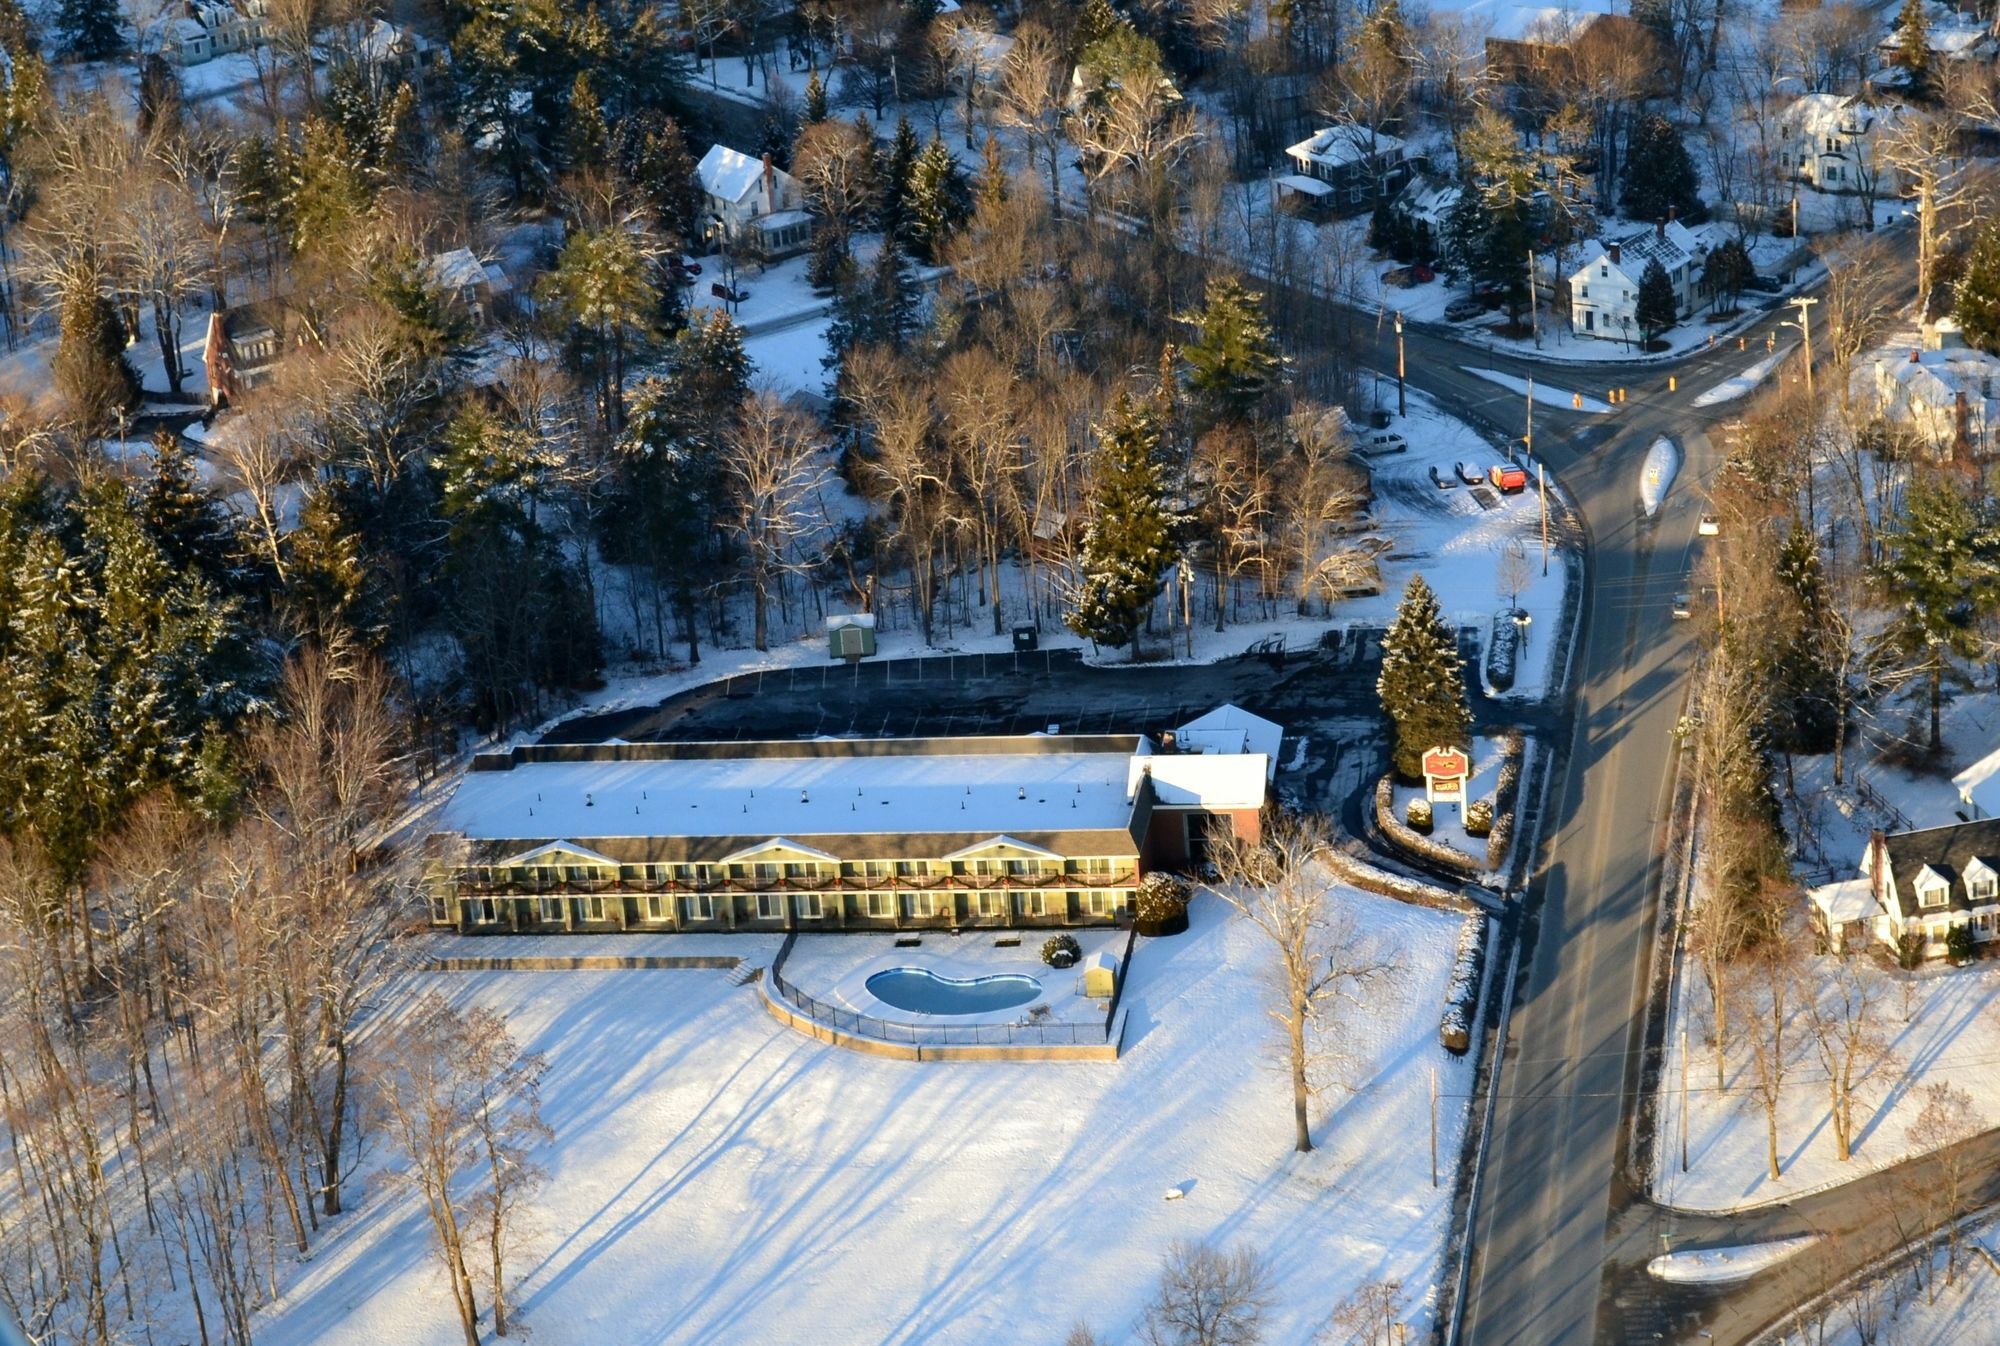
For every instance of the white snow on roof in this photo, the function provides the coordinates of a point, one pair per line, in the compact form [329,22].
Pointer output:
[559,848]
[1337,146]
[456,270]
[727,174]
[795,796]
[1231,729]
[1847,901]
[1979,785]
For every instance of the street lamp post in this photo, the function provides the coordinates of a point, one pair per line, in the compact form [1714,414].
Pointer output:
[1402,406]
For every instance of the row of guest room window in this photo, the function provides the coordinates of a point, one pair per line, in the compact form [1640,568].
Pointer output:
[804,906]
[710,873]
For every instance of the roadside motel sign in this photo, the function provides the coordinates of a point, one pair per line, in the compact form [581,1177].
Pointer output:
[1445,770]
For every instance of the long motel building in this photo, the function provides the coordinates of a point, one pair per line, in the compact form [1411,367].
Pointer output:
[839,834]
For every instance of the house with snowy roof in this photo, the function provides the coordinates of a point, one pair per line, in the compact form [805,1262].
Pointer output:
[465,279]
[1833,142]
[837,834]
[751,204]
[1946,393]
[1345,167]
[1604,289]
[1949,35]
[1919,886]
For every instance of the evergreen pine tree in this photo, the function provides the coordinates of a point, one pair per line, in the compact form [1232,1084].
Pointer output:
[815,109]
[190,527]
[939,202]
[329,592]
[89,29]
[586,134]
[828,265]
[1233,360]
[1913,45]
[1421,685]
[1976,298]
[897,168]
[1096,21]
[1660,177]
[1656,309]
[664,171]
[1804,695]
[1129,545]
[1941,564]
[1729,269]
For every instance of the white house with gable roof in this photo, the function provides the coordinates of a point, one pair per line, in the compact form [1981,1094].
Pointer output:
[1833,142]
[752,203]
[1345,167]
[1604,290]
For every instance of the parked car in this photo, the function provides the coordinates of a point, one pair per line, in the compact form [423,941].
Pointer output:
[1469,472]
[691,266]
[1458,310]
[1422,274]
[1440,480]
[1710,526]
[1764,284]
[721,291]
[1683,607]
[1509,478]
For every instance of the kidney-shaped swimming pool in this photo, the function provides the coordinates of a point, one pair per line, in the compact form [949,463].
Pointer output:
[916,991]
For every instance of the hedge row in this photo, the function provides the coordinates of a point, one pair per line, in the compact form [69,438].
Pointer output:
[1505,791]
[1461,996]
[1409,838]
[1353,869]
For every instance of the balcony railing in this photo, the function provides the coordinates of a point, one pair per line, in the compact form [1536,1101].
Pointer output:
[469,883]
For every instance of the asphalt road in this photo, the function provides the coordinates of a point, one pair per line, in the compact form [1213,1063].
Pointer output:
[1560,1236]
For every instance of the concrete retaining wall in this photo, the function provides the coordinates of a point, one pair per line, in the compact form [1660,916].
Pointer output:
[581,963]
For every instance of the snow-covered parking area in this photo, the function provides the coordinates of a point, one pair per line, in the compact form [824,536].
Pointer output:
[718,1177]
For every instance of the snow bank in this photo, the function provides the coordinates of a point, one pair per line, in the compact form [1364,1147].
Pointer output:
[1663,464]
[1544,394]
[1742,384]
[1721,1266]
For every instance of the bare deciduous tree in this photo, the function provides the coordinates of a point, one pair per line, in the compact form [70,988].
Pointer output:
[1208,1298]
[1841,1015]
[772,472]
[1320,959]
[1368,1317]
[1947,1119]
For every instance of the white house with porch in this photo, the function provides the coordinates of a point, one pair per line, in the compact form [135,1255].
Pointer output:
[752,204]
[1833,142]
[1604,290]
[1919,886]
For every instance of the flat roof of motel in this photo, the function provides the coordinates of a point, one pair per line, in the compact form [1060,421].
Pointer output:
[839,794]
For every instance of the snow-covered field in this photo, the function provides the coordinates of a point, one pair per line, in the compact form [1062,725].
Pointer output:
[717,1177]
[1896,1312]
[1951,1033]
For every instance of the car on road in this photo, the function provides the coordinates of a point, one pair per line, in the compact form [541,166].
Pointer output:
[1458,310]
[1683,607]
[1710,526]
[1440,480]
[1468,472]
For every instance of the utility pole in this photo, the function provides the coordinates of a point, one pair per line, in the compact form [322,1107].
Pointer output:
[1684,1100]
[1528,440]
[1434,1126]
[1402,406]
[1804,305]
[1534,312]
[1542,483]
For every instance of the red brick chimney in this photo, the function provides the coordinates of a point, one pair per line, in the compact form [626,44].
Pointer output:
[1913,357]
[770,181]
[1878,863]
[1659,228]
[1612,252]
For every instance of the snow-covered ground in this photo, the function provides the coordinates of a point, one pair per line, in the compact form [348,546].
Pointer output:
[1950,1032]
[1832,822]
[1721,1266]
[1742,385]
[719,1177]
[1546,394]
[1896,1312]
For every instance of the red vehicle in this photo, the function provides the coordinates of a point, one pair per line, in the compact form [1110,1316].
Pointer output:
[1508,477]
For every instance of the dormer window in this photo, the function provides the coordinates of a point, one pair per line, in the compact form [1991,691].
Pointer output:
[1933,895]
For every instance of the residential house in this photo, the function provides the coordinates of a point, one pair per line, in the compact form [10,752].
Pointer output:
[1604,290]
[1947,393]
[212,28]
[1538,52]
[751,204]
[481,287]
[1833,142]
[403,50]
[1035,830]
[1345,168]
[1950,36]
[1917,885]
[1978,786]
[243,348]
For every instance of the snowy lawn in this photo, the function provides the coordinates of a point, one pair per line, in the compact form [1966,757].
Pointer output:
[1832,822]
[1896,1312]
[1951,1033]
[836,969]
[1448,820]
[718,1177]
[1721,1266]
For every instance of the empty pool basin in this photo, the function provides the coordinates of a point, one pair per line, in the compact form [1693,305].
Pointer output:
[916,991]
